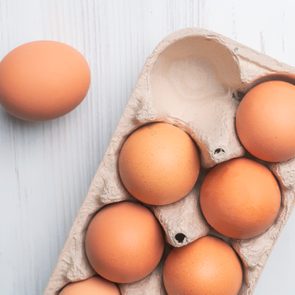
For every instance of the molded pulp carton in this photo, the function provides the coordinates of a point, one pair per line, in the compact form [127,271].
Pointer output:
[195,80]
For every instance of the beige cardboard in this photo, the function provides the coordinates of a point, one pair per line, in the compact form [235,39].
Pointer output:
[192,79]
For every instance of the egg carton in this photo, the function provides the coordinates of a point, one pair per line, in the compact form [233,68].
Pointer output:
[194,79]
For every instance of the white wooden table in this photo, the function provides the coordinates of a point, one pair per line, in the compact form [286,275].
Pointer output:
[46,168]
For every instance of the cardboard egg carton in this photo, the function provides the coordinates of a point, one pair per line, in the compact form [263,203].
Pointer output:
[194,79]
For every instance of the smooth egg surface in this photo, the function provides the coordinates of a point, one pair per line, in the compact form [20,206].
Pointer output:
[265,121]
[92,286]
[206,266]
[159,164]
[124,242]
[43,80]
[240,198]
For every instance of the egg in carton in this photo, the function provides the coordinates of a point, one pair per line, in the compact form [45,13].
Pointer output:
[194,79]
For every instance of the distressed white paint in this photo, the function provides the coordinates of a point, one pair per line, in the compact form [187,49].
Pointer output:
[46,168]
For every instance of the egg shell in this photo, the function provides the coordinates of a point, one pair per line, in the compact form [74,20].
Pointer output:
[207,266]
[208,73]
[265,121]
[159,164]
[43,80]
[124,242]
[92,286]
[240,198]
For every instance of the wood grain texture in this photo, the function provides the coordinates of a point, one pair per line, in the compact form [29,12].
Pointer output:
[46,168]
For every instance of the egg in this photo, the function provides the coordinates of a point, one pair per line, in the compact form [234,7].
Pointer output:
[43,80]
[92,286]
[124,242]
[159,164]
[265,121]
[240,198]
[206,266]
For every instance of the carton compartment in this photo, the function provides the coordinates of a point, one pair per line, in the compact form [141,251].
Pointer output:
[194,79]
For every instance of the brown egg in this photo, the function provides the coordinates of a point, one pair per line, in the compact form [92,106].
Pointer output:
[124,242]
[92,286]
[159,164]
[43,80]
[240,198]
[265,121]
[206,266]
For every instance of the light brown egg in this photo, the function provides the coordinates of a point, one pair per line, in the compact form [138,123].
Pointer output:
[92,286]
[43,80]
[265,121]
[206,266]
[159,164]
[240,198]
[124,242]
